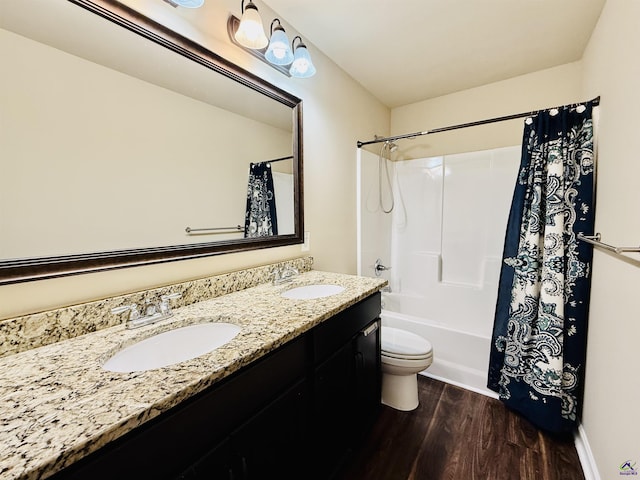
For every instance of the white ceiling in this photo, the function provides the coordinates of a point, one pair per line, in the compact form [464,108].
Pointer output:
[404,51]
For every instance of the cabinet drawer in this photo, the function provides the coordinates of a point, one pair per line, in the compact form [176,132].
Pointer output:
[329,336]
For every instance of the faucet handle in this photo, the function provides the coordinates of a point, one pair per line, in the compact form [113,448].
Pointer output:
[292,270]
[276,273]
[165,306]
[133,308]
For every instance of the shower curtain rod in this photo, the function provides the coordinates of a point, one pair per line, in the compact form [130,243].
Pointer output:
[595,102]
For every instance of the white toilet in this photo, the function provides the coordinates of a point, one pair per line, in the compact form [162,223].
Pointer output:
[404,354]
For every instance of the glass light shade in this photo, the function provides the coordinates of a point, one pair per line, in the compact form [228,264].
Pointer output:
[302,66]
[279,52]
[250,32]
[188,3]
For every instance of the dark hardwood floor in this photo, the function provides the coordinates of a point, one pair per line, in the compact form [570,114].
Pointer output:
[456,434]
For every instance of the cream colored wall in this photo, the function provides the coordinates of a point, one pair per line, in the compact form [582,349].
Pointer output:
[542,89]
[337,112]
[157,173]
[612,70]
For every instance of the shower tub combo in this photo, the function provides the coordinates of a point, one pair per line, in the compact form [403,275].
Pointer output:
[442,241]
[460,357]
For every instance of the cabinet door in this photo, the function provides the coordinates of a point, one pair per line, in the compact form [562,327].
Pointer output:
[367,379]
[216,464]
[273,444]
[333,405]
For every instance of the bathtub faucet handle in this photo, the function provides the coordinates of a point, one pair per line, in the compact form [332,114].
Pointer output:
[378,267]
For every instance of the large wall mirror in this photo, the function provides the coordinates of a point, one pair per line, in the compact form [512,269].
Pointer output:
[124,143]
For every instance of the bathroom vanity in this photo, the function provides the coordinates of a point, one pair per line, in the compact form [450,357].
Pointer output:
[287,398]
[293,414]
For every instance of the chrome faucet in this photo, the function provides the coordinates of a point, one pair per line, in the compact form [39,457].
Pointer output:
[154,311]
[284,275]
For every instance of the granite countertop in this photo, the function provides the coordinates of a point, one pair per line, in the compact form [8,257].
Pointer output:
[59,404]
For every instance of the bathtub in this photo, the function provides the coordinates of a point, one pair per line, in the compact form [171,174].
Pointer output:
[459,357]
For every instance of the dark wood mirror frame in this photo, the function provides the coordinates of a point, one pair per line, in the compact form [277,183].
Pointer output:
[30,269]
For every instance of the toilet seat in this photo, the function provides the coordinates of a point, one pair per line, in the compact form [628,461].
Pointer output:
[400,344]
[425,356]
[413,364]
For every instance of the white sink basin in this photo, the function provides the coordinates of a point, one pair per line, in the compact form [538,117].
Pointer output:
[309,292]
[172,347]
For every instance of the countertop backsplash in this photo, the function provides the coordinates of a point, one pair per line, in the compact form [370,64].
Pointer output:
[23,333]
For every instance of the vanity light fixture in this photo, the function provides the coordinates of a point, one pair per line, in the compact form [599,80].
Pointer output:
[250,33]
[302,66]
[293,61]
[279,52]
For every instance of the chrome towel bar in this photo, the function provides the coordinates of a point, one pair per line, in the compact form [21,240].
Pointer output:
[194,231]
[595,240]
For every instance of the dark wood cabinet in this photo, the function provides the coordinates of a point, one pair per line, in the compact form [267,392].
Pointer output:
[218,463]
[257,449]
[346,385]
[272,444]
[367,379]
[332,409]
[296,413]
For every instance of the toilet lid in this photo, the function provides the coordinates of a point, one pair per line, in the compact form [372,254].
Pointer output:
[402,344]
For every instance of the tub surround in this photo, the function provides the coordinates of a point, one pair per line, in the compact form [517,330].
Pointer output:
[22,333]
[59,405]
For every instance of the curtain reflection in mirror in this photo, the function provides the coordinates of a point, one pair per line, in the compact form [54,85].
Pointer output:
[269,200]
[260,217]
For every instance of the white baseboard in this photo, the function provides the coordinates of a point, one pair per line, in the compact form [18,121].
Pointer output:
[485,392]
[588,462]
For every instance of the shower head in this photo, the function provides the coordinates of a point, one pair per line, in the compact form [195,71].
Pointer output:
[391,146]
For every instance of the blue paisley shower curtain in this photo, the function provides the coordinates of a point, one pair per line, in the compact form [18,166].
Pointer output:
[260,217]
[538,345]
